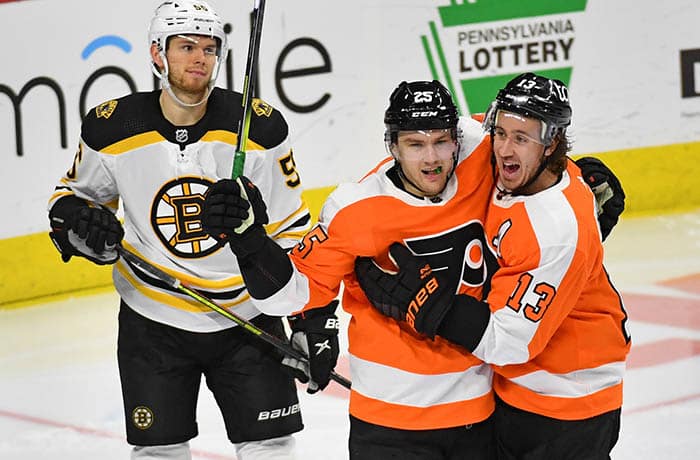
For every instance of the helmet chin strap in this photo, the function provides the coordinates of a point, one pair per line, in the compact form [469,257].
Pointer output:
[165,84]
[179,101]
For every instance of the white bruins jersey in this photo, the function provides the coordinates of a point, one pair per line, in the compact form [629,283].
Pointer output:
[129,152]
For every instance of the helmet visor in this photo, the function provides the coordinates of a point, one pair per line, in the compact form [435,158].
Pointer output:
[429,145]
[495,112]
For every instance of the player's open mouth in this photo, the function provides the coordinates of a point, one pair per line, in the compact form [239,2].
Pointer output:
[433,172]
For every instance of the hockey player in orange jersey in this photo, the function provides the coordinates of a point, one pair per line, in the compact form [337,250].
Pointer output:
[412,397]
[553,325]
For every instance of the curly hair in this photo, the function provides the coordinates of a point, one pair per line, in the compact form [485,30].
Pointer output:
[556,162]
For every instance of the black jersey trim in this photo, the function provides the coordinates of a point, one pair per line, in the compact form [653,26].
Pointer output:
[155,282]
[301,223]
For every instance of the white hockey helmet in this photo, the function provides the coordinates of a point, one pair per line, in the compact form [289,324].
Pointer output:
[186,17]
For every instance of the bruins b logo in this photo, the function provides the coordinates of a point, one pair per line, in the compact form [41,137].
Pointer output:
[176,217]
[142,417]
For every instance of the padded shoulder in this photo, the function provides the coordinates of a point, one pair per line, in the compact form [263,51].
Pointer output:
[268,127]
[118,119]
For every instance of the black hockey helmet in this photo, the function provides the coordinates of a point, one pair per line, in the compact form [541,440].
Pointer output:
[420,105]
[534,96]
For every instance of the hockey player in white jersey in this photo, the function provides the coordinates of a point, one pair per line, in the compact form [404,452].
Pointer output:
[157,153]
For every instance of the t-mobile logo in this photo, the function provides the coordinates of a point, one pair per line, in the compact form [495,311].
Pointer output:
[690,73]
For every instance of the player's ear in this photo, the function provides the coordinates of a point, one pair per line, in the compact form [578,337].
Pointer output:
[552,147]
[155,56]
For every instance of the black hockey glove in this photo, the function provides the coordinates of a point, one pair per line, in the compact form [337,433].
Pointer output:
[315,334]
[414,294]
[234,211]
[609,195]
[80,230]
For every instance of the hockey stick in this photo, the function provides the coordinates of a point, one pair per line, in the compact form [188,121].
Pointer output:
[176,284]
[248,86]
[237,171]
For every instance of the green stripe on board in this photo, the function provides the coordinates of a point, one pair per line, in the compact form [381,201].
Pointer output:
[466,12]
[443,63]
[429,57]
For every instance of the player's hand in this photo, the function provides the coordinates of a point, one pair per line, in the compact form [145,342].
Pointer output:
[231,207]
[315,334]
[609,195]
[414,294]
[90,232]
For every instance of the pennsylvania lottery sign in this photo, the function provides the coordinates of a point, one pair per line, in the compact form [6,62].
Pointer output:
[479,45]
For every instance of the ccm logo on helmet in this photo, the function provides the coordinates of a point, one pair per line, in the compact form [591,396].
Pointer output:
[425,113]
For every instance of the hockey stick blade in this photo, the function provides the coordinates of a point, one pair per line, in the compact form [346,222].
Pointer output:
[176,284]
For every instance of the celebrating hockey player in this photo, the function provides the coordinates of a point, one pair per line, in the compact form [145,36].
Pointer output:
[553,325]
[412,397]
[158,152]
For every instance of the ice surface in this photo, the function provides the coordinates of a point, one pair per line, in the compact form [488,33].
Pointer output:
[60,397]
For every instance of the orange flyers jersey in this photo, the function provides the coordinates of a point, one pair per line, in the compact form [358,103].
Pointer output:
[557,331]
[399,378]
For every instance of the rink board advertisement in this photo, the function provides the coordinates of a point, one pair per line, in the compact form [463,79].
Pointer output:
[330,67]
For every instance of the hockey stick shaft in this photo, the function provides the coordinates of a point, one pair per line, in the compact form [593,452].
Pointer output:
[237,171]
[176,284]
[248,87]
